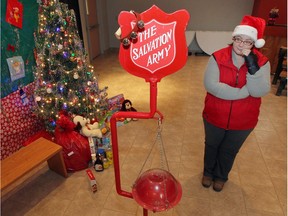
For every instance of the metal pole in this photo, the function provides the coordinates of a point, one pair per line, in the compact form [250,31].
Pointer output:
[114,139]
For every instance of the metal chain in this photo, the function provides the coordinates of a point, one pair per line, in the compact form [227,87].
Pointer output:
[161,149]
[163,157]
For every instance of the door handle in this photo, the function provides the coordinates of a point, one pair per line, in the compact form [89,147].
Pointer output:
[93,26]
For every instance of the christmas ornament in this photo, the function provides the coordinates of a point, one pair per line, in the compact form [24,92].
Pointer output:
[76,75]
[37,98]
[130,23]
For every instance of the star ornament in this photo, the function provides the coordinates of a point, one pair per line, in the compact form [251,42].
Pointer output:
[160,47]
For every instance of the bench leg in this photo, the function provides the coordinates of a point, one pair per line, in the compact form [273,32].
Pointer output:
[283,83]
[56,163]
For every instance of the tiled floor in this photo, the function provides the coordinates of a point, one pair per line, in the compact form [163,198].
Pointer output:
[258,180]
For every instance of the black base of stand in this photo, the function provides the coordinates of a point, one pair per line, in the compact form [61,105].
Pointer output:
[201,54]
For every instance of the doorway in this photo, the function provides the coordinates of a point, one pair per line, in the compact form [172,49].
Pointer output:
[74,5]
[88,25]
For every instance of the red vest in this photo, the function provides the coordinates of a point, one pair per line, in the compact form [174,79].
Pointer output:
[239,114]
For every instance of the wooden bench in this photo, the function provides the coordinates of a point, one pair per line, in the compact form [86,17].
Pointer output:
[27,158]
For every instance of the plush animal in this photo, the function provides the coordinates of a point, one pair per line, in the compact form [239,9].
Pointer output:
[87,129]
[127,106]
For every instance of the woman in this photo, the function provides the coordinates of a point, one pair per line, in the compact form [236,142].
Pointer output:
[235,80]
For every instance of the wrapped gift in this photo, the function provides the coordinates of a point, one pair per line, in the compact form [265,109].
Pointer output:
[76,150]
[115,102]
[18,123]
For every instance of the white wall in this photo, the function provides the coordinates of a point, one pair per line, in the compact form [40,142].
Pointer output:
[205,15]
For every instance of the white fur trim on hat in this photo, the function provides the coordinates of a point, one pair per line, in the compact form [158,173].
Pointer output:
[246,30]
[259,43]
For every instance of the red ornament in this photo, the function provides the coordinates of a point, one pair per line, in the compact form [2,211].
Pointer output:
[45,2]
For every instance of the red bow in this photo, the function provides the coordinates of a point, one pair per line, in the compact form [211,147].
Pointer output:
[10,48]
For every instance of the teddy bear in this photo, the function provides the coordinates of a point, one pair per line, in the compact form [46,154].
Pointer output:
[87,129]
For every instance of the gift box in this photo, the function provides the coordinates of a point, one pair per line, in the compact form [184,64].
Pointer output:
[18,123]
[115,103]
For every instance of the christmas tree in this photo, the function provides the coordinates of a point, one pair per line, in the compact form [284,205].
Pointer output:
[65,81]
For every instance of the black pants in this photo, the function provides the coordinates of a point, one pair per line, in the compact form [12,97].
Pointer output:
[221,148]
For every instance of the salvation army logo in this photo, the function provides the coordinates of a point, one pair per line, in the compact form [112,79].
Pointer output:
[155,47]
[160,48]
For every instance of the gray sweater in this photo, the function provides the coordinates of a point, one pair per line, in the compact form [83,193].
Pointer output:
[257,85]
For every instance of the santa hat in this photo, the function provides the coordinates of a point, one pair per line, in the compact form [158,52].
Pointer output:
[253,27]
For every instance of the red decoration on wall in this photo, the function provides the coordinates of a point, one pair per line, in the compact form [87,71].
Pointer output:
[14,13]
[10,48]
[160,47]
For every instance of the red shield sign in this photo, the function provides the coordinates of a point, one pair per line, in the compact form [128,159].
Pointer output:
[156,46]
[160,48]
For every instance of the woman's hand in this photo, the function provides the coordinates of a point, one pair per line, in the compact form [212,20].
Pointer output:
[246,52]
[251,61]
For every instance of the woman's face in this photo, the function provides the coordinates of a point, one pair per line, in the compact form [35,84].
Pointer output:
[241,42]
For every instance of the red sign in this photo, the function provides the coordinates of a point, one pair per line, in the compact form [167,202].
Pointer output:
[160,47]
[155,48]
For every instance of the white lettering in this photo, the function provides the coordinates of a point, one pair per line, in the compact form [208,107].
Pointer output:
[156,57]
[147,33]
[167,50]
[151,45]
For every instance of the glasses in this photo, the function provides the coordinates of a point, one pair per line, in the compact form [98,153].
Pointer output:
[239,40]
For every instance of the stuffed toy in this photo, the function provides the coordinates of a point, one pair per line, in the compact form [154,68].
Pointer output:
[87,129]
[127,106]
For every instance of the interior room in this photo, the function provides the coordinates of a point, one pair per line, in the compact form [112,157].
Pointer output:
[173,139]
